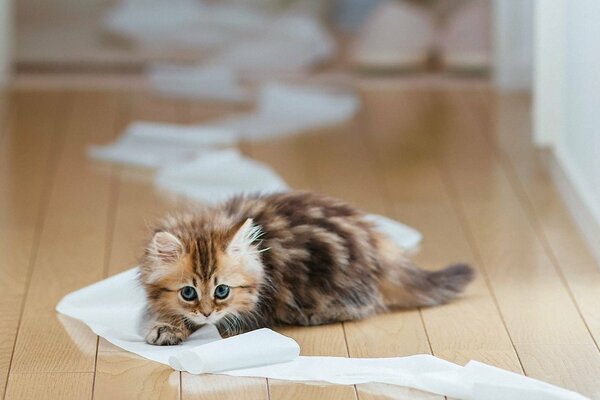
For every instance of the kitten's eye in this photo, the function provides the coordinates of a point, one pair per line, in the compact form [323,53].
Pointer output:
[221,292]
[188,293]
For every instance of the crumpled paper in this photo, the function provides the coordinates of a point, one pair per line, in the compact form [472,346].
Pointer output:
[239,37]
[114,309]
[222,44]
[184,24]
[402,235]
[282,110]
[151,145]
[288,109]
[290,43]
[218,175]
[197,81]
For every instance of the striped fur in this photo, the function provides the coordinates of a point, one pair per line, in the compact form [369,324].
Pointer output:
[292,258]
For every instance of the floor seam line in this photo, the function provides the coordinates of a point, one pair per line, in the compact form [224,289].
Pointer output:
[53,162]
[508,169]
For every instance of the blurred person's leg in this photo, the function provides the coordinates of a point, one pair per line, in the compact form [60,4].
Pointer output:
[397,35]
[465,34]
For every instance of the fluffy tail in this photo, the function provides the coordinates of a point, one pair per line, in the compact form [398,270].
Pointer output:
[408,286]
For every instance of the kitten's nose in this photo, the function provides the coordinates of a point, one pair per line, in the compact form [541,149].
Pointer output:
[206,314]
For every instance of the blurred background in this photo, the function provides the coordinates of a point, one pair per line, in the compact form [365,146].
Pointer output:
[225,50]
[461,36]
[474,122]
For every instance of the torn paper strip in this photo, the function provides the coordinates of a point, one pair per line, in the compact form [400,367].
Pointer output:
[290,43]
[153,145]
[282,110]
[404,236]
[288,109]
[197,82]
[114,309]
[237,37]
[184,24]
[216,176]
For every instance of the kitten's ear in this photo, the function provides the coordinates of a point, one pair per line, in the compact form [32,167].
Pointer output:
[244,235]
[165,247]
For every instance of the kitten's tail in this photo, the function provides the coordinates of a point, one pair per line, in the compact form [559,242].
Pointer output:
[409,286]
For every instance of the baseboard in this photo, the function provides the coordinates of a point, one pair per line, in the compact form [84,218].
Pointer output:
[577,198]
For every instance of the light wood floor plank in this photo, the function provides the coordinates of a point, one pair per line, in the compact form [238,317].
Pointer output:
[534,302]
[27,162]
[419,154]
[47,386]
[405,136]
[342,166]
[72,245]
[139,204]
[508,122]
[120,374]
[217,387]
[285,156]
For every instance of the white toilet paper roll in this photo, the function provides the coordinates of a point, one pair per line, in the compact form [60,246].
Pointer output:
[252,349]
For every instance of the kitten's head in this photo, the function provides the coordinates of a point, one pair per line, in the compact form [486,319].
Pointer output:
[203,270]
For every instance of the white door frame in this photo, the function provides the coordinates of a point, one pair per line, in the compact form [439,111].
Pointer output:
[6,40]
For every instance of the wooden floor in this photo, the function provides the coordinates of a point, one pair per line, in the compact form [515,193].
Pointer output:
[454,161]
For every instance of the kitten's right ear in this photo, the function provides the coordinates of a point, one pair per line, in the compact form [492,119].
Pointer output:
[165,247]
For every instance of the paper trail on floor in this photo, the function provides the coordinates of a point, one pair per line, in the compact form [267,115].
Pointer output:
[289,109]
[282,110]
[153,145]
[197,82]
[404,236]
[289,43]
[217,175]
[114,309]
[183,24]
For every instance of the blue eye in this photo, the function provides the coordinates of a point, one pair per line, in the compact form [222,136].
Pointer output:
[221,292]
[188,293]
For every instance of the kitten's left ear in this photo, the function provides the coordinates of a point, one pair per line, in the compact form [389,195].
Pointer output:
[165,247]
[244,237]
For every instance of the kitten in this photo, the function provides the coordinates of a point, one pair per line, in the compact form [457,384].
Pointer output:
[291,258]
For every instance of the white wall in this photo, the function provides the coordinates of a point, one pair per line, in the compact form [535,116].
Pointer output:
[580,139]
[567,103]
[6,24]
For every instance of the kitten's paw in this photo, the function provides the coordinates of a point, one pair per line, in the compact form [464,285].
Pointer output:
[165,335]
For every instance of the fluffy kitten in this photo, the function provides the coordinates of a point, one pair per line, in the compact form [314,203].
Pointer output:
[292,258]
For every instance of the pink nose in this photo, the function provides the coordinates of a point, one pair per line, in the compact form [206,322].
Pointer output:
[206,314]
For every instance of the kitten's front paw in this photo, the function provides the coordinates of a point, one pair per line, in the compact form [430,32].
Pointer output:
[165,335]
